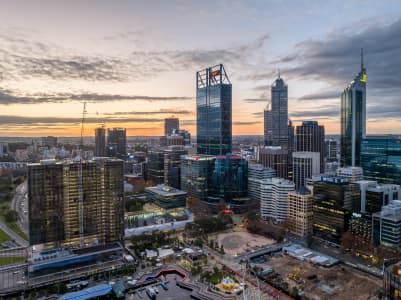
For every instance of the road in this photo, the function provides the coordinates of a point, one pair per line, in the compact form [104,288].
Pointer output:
[19,196]
[20,205]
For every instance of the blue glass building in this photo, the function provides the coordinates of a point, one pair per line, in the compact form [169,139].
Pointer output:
[214,111]
[353,119]
[381,158]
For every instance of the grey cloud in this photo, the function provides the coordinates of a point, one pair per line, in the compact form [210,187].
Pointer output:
[23,120]
[156,112]
[8,97]
[323,95]
[256,100]
[245,123]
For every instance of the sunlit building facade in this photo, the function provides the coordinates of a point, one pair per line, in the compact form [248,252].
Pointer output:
[63,215]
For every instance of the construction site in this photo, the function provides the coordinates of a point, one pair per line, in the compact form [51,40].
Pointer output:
[317,282]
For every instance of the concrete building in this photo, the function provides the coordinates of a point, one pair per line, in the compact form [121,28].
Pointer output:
[275,158]
[175,140]
[256,174]
[274,202]
[305,165]
[300,212]
[386,225]
[268,126]
[374,196]
[352,173]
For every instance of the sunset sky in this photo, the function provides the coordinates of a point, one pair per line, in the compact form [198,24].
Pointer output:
[134,62]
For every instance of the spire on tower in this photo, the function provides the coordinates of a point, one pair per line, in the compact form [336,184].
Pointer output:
[361,58]
[278,71]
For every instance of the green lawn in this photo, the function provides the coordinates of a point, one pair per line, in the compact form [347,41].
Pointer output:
[4,237]
[13,226]
[11,260]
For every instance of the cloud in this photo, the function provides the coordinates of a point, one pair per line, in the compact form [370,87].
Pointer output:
[156,112]
[25,120]
[259,114]
[323,95]
[22,58]
[256,100]
[8,97]
[245,123]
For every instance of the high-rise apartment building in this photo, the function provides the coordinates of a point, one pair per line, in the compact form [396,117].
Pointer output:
[213,111]
[274,201]
[353,119]
[275,158]
[310,138]
[305,165]
[381,158]
[386,225]
[67,212]
[300,212]
[117,142]
[256,174]
[171,125]
[100,142]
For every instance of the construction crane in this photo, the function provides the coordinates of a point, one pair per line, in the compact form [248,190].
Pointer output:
[80,182]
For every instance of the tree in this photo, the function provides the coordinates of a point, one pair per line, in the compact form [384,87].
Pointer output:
[222,249]
[347,241]
[11,216]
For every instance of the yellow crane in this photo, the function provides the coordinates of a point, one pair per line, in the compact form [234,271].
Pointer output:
[296,276]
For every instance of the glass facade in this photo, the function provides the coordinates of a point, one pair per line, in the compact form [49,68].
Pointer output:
[279,108]
[381,159]
[334,200]
[353,120]
[229,178]
[214,111]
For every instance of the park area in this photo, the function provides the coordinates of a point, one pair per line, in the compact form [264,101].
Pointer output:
[236,243]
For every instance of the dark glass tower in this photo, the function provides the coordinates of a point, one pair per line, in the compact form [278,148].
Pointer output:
[213,111]
[310,138]
[117,142]
[353,119]
[100,142]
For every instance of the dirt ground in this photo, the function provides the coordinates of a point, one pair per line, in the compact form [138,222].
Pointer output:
[337,282]
[236,243]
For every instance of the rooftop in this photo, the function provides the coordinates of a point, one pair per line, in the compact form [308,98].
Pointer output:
[165,190]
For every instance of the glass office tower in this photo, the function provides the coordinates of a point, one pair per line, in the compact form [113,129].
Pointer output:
[213,111]
[353,119]
[381,158]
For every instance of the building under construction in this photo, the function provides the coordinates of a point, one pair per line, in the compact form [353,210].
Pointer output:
[67,212]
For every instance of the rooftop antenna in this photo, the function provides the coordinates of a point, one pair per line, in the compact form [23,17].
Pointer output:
[278,70]
[361,58]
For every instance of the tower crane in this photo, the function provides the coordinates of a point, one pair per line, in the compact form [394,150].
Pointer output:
[80,182]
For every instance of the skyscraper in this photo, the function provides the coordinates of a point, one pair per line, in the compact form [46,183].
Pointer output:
[305,165]
[275,158]
[171,125]
[213,111]
[279,113]
[268,126]
[116,142]
[353,119]
[310,138]
[57,218]
[100,142]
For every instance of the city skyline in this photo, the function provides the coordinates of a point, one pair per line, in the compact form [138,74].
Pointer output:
[135,65]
